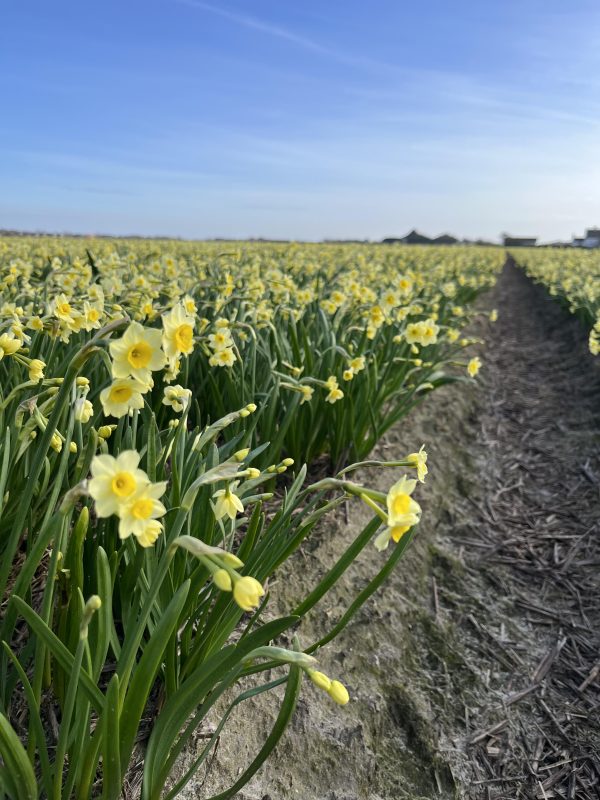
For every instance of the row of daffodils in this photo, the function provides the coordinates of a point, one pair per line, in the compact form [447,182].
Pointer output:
[572,276]
[152,393]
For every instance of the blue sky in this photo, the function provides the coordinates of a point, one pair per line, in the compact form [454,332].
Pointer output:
[300,119]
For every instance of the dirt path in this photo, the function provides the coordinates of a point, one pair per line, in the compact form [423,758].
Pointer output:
[474,674]
[534,540]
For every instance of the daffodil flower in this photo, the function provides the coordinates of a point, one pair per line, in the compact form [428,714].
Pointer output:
[115,481]
[137,353]
[228,504]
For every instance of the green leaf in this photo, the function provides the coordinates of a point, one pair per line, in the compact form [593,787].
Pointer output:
[146,670]
[191,693]
[36,722]
[283,718]
[59,651]
[111,758]
[18,764]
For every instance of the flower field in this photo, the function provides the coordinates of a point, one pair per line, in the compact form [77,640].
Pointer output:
[176,418]
[573,277]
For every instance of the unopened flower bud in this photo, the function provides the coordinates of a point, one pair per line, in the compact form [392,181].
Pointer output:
[338,693]
[247,593]
[222,580]
[232,560]
[319,679]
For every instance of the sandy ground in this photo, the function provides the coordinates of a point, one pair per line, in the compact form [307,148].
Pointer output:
[473,673]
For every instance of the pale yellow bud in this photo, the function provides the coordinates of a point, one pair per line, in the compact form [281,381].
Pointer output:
[36,369]
[338,693]
[56,442]
[247,593]
[319,679]
[222,580]
[232,560]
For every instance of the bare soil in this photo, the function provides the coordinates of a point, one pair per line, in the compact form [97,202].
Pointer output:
[474,672]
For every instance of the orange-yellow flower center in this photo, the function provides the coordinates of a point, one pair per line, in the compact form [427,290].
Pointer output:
[400,504]
[139,355]
[120,394]
[142,508]
[63,308]
[123,484]
[183,337]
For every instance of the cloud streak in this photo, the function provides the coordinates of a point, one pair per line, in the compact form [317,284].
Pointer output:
[279,32]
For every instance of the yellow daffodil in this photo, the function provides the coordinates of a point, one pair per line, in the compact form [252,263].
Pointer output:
[474,366]
[307,393]
[9,344]
[177,397]
[122,396]
[228,504]
[223,358]
[115,481]
[137,353]
[420,463]
[139,509]
[402,512]
[221,340]
[149,533]
[178,337]
[83,410]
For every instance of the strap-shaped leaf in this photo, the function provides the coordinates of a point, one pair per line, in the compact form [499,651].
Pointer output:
[283,718]
[186,777]
[17,763]
[191,693]
[369,589]
[36,722]
[146,670]
[111,757]
[59,651]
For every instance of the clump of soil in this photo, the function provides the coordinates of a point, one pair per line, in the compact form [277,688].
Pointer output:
[473,673]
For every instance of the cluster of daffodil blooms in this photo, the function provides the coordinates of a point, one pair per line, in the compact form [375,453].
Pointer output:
[153,396]
[572,276]
[340,340]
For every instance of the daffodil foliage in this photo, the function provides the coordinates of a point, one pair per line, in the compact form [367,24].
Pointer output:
[572,277]
[151,394]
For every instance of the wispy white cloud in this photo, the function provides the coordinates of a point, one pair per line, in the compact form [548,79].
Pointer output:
[258,25]
[280,32]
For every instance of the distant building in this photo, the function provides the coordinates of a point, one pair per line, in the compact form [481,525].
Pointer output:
[519,241]
[414,237]
[592,238]
[589,241]
[445,238]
